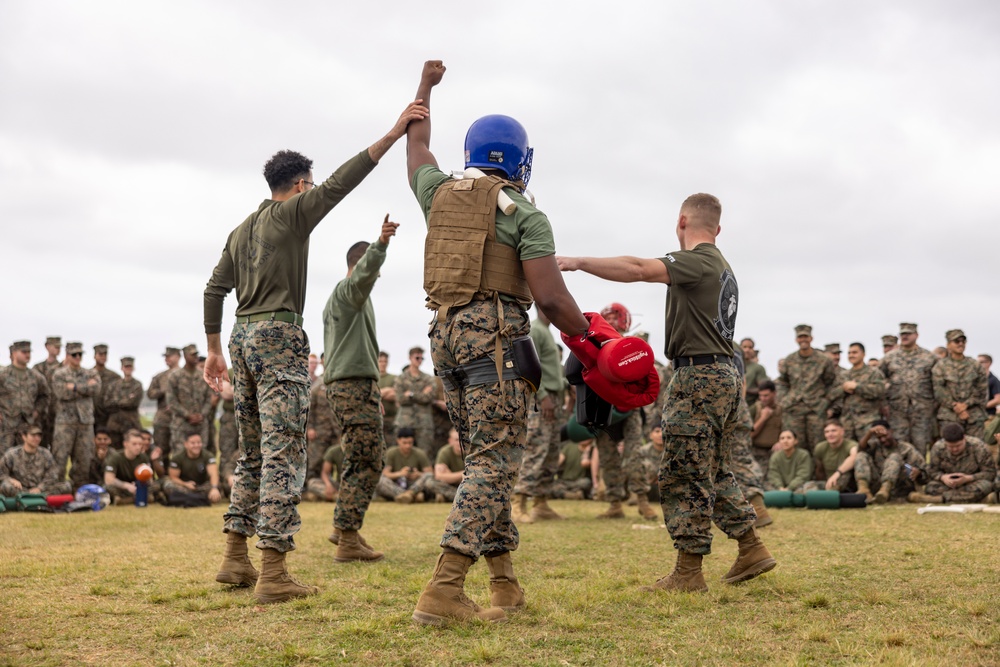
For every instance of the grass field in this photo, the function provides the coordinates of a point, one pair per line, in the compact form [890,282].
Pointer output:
[130,586]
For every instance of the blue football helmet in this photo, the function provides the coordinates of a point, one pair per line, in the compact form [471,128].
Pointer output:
[499,142]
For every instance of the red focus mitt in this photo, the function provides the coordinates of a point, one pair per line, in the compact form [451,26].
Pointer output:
[587,346]
[624,396]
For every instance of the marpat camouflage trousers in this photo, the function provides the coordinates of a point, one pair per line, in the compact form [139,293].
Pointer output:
[271,390]
[358,402]
[541,453]
[697,486]
[491,424]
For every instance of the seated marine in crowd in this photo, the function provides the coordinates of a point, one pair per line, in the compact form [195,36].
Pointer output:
[790,467]
[449,468]
[119,468]
[406,471]
[891,468]
[30,468]
[193,471]
[834,458]
[961,470]
[573,477]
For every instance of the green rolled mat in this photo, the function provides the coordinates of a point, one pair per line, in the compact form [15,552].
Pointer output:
[777,498]
[823,500]
[852,500]
[798,500]
[10,504]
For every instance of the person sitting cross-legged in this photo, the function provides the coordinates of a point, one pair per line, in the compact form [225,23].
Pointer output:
[407,470]
[194,474]
[31,468]
[790,467]
[961,470]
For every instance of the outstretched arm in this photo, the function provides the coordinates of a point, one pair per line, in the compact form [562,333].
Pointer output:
[413,112]
[624,269]
[418,133]
[553,298]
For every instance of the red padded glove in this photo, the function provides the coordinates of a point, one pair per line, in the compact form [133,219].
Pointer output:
[627,359]
[587,346]
[624,396]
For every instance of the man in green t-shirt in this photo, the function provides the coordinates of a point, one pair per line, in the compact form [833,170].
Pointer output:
[406,470]
[834,459]
[701,414]
[574,481]
[266,260]
[193,470]
[119,468]
[487,286]
[449,468]
[351,376]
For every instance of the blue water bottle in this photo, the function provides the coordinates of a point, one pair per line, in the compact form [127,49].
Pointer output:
[141,494]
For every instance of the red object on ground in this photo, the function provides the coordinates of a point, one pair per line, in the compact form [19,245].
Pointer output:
[55,502]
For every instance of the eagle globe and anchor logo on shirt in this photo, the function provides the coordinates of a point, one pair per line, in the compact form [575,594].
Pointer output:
[729,296]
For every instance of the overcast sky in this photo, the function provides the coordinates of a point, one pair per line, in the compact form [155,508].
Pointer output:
[855,147]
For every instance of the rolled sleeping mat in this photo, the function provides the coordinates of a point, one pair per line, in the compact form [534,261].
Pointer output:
[777,498]
[823,500]
[798,500]
[10,504]
[852,500]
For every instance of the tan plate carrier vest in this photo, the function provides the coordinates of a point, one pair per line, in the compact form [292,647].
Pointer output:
[462,257]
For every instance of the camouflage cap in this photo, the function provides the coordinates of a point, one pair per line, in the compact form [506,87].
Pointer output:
[171,350]
[832,348]
[72,348]
[128,361]
[101,348]
[907,327]
[22,345]
[53,340]
[954,334]
[191,349]
[889,339]
[803,330]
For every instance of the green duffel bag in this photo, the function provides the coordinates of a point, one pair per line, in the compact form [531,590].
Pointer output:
[8,504]
[32,502]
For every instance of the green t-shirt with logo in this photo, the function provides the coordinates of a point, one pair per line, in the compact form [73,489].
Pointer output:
[124,469]
[192,470]
[701,303]
[415,460]
[447,456]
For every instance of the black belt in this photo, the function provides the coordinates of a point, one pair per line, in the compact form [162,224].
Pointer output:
[702,360]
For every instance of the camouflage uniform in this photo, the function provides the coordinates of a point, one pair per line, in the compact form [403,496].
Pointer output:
[491,423]
[697,485]
[961,381]
[654,412]
[623,473]
[746,470]
[24,400]
[48,369]
[755,374]
[910,394]
[161,422]
[103,408]
[859,409]
[188,394]
[878,465]
[976,460]
[229,439]
[74,427]
[416,411]
[541,455]
[124,398]
[271,385]
[803,386]
[31,470]
[325,423]
[357,401]
[651,457]
[391,408]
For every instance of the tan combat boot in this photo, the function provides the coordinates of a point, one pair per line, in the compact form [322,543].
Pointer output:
[614,511]
[236,566]
[917,497]
[753,559]
[865,489]
[505,591]
[350,549]
[444,601]
[633,500]
[686,576]
[519,511]
[335,538]
[763,518]
[406,497]
[646,510]
[882,495]
[540,510]
[275,584]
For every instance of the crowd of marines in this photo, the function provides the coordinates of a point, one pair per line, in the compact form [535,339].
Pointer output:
[887,427]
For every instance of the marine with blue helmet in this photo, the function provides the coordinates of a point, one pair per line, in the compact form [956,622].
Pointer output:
[482,269]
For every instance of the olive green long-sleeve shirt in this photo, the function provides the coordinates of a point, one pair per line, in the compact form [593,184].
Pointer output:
[267,256]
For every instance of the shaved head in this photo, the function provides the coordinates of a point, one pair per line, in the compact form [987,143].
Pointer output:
[703,211]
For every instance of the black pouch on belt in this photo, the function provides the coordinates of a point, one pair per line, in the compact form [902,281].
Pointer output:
[520,360]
